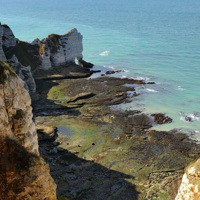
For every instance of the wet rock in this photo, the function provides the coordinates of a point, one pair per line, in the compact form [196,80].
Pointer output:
[85,64]
[83,95]
[54,150]
[72,167]
[160,118]
[114,72]
[69,177]
[151,83]
[189,119]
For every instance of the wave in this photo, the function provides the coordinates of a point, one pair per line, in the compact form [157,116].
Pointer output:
[190,117]
[189,132]
[181,88]
[108,67]
[151,90]
[142,78]
[104,53]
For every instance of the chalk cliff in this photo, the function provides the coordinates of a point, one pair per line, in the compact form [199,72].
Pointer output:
[190,185]
[28,59]
[56,50]
[23,174]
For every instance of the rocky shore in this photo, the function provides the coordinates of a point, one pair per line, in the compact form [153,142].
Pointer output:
[94,151]
[97,152]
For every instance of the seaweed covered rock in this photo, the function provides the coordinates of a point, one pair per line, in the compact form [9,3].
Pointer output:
[23,174]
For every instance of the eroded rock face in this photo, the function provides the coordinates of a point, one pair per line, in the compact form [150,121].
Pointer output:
[7,43]
[56,50]
[2,55]
[9,39]
[190,185]
[23,174]
[40,55]
[24,73]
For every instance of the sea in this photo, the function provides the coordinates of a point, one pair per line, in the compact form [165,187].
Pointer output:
[153,40]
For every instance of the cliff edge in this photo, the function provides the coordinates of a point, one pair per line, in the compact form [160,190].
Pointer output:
[23,174]
[190,185]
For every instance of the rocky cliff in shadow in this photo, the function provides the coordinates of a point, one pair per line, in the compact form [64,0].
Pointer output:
[23,174]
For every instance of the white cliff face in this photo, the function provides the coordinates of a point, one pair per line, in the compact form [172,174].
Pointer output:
[9,39]
[16,112]
[55,50]
[2,55]
[46,62]
[58,57]
[73,46]
[190,185]
[61,49]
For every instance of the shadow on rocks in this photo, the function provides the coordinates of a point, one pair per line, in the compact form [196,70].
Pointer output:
[42,106]
[80,179]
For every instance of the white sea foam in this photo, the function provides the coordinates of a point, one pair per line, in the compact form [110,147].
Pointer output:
[108,67]
[190,117]
[104,53]
[181,88]
[151,90]
[142,78]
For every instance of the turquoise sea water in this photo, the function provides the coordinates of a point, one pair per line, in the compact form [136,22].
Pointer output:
[151,39]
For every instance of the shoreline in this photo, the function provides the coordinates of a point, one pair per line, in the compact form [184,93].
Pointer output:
[179,117]
[92,134]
